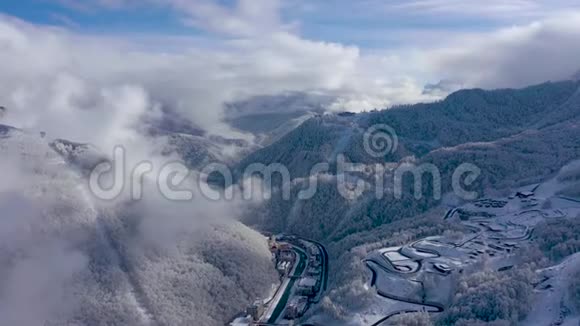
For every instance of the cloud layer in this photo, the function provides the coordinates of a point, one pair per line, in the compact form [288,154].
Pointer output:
[542,51]
[99,88]
[88,88]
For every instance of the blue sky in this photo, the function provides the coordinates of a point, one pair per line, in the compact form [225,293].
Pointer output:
[365,23]
[97,20]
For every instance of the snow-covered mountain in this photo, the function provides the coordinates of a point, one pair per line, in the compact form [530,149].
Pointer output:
[269,118]
[499,131]
[162,263]
[515,136]
[70,259]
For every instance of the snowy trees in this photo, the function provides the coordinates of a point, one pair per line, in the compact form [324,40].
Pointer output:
[414,319]
[572,190]
[65,260]
[349,274]
[490,296]
[514,136]
[574,291]
[191,273]
[472,322]
[476,115]
[495,130]
[558,239]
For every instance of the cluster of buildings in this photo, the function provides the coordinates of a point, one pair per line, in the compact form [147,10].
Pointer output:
[443,268]
[527,198]
[256,310]
[490,203]
[297,307]
[524,194]
[307,290]
[309,285]
[283,255]
[314,268]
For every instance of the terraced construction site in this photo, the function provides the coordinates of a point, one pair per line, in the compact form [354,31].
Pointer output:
[420,276]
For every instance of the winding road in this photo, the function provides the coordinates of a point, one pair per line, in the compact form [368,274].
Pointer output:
[435,305]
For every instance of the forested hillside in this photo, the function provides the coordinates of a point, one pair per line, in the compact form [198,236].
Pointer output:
[495,130]
[67,259]
[515,137]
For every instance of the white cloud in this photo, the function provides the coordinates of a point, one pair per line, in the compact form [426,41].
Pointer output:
[37,286]
[246,18]
[96,89]
[445,9]
[39,237]
[91,89]
[545,50]
[492,7]
[64,259]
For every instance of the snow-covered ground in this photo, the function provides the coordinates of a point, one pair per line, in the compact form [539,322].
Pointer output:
[380,308]
[423,271]
[551,305]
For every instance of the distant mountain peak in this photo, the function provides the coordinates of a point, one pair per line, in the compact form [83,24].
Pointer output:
[443,87]
[172,122]
[576,76]
[289,102]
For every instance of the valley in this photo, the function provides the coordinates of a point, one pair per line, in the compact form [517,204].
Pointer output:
[368,259]
[289,162]
[303,268]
